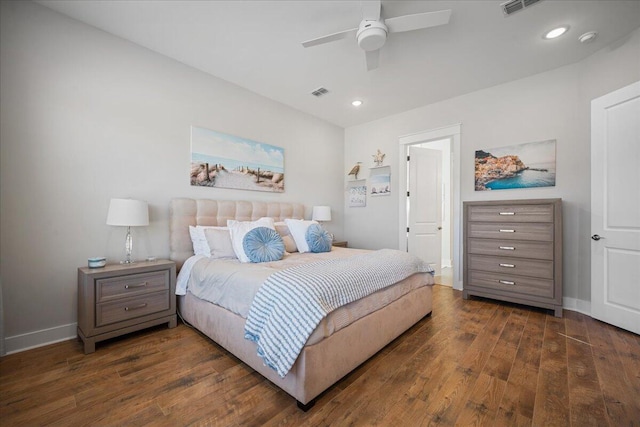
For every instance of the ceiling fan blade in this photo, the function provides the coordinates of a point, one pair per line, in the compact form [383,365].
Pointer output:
[417,21]
[370,10]
[330,38]
[373,58]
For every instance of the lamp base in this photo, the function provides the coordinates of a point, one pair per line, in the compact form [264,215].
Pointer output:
[127,261]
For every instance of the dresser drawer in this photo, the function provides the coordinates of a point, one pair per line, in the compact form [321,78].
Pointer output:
[135,284]
[512,284]
[512,266]
[129,308]
[511,248]
[511,213]
[513,231]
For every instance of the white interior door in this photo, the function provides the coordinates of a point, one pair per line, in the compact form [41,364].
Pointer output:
[615,208]
[425,205]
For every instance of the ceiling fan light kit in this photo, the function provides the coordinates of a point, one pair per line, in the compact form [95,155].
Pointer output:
[371,35]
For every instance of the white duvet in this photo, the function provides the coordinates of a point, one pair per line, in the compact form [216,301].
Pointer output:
[233,285]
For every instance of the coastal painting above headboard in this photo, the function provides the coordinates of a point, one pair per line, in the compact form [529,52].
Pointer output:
[227,161]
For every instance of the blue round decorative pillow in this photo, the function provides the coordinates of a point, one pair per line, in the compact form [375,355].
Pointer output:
[318,239]
[263,244]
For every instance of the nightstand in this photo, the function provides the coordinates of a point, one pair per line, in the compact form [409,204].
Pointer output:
[341,244]
[122,298]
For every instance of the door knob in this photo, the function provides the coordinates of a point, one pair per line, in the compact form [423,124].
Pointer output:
[439,228]
[596,237]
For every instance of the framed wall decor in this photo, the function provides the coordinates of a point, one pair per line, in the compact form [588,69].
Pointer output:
[357,193]
[380,181]
[528,165]
[221,160]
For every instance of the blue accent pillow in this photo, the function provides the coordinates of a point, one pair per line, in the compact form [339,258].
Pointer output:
[263,244]
[318,239]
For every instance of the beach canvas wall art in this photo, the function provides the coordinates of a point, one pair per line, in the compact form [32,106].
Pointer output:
[226,161]
[528,165]
[357,193]
[380,181]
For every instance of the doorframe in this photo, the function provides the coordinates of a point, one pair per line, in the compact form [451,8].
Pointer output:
[452,132]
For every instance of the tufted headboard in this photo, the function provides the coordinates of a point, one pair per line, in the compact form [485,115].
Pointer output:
[186,212]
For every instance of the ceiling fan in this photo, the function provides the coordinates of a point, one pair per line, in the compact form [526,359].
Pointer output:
[372,32]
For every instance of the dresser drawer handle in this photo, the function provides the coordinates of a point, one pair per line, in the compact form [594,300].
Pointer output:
[507,213]
[139,285]
[502,230]
[507,265]
[135,307]
[508,248]
[506,282]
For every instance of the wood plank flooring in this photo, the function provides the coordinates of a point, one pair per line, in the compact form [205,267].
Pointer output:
[476,362]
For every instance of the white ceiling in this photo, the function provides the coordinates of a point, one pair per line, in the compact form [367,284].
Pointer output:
[257,45]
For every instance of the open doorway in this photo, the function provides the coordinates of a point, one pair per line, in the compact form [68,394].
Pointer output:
[441,209]
[442,198]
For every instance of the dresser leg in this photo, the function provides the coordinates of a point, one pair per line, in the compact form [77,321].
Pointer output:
[557,311]
[173,322]
[89,346]
[465,294]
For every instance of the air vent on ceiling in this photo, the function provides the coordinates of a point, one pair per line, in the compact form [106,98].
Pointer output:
[515,5]
[319,92]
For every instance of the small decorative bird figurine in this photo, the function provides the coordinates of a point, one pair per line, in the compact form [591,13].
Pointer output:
[355,170]
[378,158]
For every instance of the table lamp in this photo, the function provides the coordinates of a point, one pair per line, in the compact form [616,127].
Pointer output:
[128,213]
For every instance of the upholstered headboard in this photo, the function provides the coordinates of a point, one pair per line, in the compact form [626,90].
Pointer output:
[186,212]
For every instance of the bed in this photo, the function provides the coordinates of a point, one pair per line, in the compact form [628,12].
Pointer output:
[329,354]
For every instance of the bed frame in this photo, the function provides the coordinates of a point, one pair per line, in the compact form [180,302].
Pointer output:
[320,365]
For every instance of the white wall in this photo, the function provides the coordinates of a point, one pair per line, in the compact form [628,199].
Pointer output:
[551,105]
[86,116]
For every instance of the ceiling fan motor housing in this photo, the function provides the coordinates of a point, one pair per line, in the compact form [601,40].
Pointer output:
[371,35]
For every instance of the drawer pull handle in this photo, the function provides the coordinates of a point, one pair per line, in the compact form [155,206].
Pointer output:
[139,285]
[502,230]
[506,282]
[507,213]
[135,307]
[508,248]
[507,265]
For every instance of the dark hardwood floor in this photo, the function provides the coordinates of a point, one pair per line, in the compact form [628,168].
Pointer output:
[476,362]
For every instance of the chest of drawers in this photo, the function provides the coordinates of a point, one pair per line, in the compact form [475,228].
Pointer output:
[118,299]
[513,251]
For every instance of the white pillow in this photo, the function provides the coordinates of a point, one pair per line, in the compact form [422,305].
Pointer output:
[219,242]
[238,229]
[199,240]
[287,238]
[298,229]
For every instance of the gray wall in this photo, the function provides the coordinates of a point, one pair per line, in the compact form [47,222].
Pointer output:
[551,105]
[87,116]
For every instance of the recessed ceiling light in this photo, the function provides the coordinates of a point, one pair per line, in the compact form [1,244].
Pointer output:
[356,103]
[588,37]
[556,32]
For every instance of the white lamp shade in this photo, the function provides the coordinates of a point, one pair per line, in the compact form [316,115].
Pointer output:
[128,213]
[321,213]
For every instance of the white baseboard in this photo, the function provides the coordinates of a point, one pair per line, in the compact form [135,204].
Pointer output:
[574,304]
[18,343]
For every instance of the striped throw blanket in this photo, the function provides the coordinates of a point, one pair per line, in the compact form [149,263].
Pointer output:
[291,303]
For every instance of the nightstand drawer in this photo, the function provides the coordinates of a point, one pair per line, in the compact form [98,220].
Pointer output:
[511,248]
[513,231]
[511,213]
[135,284]
[130,308]
[512,284]
[512,266]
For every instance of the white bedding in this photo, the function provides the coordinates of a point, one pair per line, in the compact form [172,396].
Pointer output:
[233,285]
